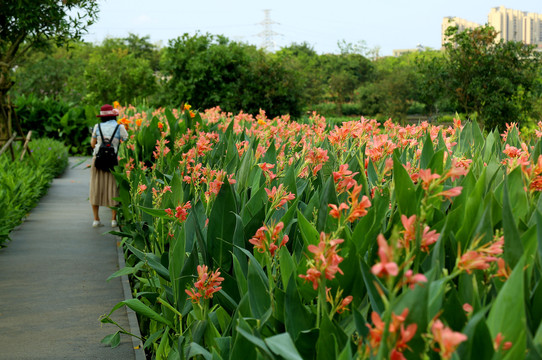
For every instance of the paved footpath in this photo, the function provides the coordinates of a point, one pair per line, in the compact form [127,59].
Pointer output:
[53,273]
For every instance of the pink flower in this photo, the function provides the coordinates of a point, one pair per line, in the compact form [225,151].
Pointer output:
[141,188]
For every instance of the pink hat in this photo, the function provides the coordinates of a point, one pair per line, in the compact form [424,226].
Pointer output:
[107,110]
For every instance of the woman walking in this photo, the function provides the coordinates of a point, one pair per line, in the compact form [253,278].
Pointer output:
[103,187]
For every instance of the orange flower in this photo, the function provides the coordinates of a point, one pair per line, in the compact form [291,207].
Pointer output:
[207,284]
[499,345]
[448,194]
[266,238]
[359,209]
[279,196]
[447,339]
[336,211]
[386,266]
[325,260]
[409,233]
[428,238]
[427,178]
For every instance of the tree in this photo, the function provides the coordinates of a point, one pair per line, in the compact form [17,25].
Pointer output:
[344,73]
[208,71]
[117,75]
[494,80]
[28,24]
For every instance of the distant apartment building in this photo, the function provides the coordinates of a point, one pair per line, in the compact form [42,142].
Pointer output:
[516,25]
[461,24]
[511,25]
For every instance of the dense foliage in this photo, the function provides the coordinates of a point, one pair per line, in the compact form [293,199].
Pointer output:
[267,238]
[59,120]
[29,24]
[23,183]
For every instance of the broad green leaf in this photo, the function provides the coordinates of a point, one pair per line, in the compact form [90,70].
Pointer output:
[427,152]
[370,281]
[513,248]
[283,345]
[127,270]
[479,344]
[296,315]
[112,340]
[308,231]
[146,311]
[221,223]
[405,192]
[152,260]
[258,292]
[507,315]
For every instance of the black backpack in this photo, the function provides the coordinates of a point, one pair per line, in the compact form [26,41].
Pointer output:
[106,158]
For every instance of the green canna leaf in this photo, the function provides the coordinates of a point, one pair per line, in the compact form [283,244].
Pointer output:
[221,223]
[283,345]
[507,314]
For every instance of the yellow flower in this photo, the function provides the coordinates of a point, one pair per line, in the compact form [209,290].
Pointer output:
[116,104]
[186,107]
[261,122]
[138,122]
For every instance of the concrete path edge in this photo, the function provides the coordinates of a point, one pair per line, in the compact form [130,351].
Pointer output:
[133,323]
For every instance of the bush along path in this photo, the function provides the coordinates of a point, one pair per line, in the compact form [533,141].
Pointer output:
[53,286]
[250,237]
[23,183]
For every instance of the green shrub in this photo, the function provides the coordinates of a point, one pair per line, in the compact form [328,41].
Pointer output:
[58,120]
[23,183]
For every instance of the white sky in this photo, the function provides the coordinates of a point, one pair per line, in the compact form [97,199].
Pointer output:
[387,24]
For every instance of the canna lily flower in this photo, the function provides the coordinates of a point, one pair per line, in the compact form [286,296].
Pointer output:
[359,209]
[481,257]
[207,284]
[499,345]
[503,269]
[181,212]
[413,279]
[279,196]
[428,238]
[474,260]
[266,238]
[138,122]
[325,260]
[336,211]
[447,339]
[141,188]
[386,266]
[409,233]
[427,178]
[448,194]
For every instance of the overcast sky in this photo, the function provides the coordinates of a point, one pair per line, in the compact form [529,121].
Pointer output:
[387,24]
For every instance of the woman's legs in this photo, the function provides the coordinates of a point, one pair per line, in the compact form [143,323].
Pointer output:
[95,209]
